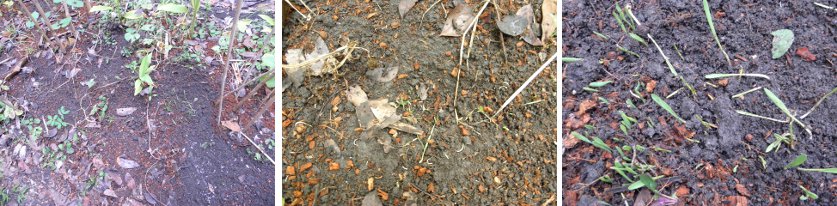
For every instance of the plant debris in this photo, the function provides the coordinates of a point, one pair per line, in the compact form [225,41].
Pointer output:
[459,18]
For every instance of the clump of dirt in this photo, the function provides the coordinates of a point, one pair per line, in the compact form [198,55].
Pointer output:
[714,157]
[469,158]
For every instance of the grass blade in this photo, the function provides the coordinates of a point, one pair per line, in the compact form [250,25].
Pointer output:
[670,67]
[638,38]
[595,142]
[666,107]
[627,51]
[619,21]
[832,170]
[745,113]
[798,161]
[718,76]
[818,102]
[599,84]
[712,29]
[605,37]
[570,59]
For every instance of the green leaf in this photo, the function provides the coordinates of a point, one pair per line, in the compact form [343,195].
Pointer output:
[648,182]
[173,8]
[599,84]
[242,24]
[133,15]
[808,194]
[570,59]
[636,185]
[269,60]
[268,19]
[638,38]
[137,87]
[778,102]
[782,40]
[666,107]
[798,161]
[832,170]
[146,79]
[145,64]
[100,8]
[35,15]
[271,83]
[75,3]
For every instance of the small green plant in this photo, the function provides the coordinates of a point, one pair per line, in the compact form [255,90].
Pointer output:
[797,161]
[101,108]
[593,86]
[666,107]
[807,194]
[570,59]
[4,196]
[57,120]
[144,80]
[637,38]
[644,181]
[718,76]
[712,29]
[595,142]
[626,123]
[131,35]
[832,170]
[778,102]
[777,142]
[627,51]
[782,40]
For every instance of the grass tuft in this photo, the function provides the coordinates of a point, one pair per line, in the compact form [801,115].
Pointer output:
[666,107]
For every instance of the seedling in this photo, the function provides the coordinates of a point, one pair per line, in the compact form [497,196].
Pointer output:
[670,67]
[778,102]
[741,95]
[627,122]
[570,59]
[832,170]
[763,162]
[627,51]
[717,76]
[644,181]
[808,195]
[712,29]
[797,161]
[606,178]
[144,76]
[57,120]
[777,142]
[593,85]
[600,35]
[101,108]
[666,107]
[637,38]
[595,142]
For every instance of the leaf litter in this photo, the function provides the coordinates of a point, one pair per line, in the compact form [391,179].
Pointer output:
[377,114]
[459,18]
[522,24]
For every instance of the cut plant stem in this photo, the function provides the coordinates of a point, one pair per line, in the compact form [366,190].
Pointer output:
[824,6]
[832,170]
[631,14]
[670,67]
[741,95]
[666,107]
[674,93]
[509,100]
[712,29]
[818,102]
[717,76]
[745,113]
[472,24]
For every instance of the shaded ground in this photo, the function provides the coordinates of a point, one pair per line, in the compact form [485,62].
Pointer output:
[183,158]
[706,165]
[469,160]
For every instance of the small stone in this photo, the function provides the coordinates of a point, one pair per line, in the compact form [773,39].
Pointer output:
[110,193]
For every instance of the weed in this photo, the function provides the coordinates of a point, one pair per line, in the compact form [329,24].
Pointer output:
[57,120]
[600,35]
[595,142]
[797,161]
[777,142]
[637,38]
[778,102]
[570,59]
[666,107]
[741,95]
[808,194]
[101,108]
[144,81]
[712,29]
[763,162]
[832,170]
[627,51]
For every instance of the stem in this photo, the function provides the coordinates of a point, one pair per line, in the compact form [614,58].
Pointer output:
[230,48]
[818,102]
[509,100]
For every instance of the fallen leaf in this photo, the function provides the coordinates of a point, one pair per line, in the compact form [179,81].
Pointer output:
[512,25]
[805,54]
[742,190]
[356,95]
[371,199]
[682,191]
[290,170]
[320,67]
[643,198]
[125,111]
[549,10]
[406,128]
[584,106]
[305,166]
[650,85]
[126,163]
[782,40]
[383,74]
[384,195]
[110,193]
[296,74]
[231,125]
[405,5]
[460,18]
[529,34]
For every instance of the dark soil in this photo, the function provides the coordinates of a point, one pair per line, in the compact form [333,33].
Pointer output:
[722,165]
[485,164]
[183,157]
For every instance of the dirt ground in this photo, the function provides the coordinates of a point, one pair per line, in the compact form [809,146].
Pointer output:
[470,160]
[182,157]
[706,165]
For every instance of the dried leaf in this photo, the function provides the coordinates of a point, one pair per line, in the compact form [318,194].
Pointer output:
[125,111]
[231,125]
[512,25]
[460,18]
[406,128]
[320,49]
[126,163]
[356,95]
[805,54]
[294,56]
[549,10]
[383,74]
[529,34]
[382,109]
[405,5]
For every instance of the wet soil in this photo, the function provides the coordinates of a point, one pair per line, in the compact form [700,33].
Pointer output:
[183,157]
[714,165]
[470,160]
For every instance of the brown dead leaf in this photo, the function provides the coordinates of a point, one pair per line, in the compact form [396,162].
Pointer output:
[683,132]
[736,201]
[585,105]
[431,188]
[384,196]
[333,166]
[742,190]
[650,85]
[805,54]
[305,167]
[335,101]
[549,10]
[723,82]
[682,191]
[290,170]
[231,126]
[405,5]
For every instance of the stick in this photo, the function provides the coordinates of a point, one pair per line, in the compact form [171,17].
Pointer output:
[37,24]
[67,15]
[234,31]
[263,108]
[554,57]
[502,40]
[295,9]
[472,24]
[249,95]
[257,146]
[435,120]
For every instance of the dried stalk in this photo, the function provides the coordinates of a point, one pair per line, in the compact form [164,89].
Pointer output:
[234,31]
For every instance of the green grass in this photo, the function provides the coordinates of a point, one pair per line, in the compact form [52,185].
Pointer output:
[718,76]
[638,38]
[832,170]
[778,102]
[797,161]
[712,29]
[808,194]
[595,142]
[666,107]
[627,51]
[570,59]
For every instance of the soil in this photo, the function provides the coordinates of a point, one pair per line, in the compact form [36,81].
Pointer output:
[717,166]
[470,160]
[184,158]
